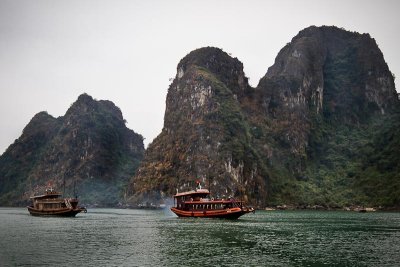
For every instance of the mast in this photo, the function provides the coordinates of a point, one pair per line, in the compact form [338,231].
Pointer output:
[209,184]
[241,193]
[64,185]
[75,188]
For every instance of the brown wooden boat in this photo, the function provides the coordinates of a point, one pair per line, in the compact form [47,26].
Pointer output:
[51,203]
[196,203]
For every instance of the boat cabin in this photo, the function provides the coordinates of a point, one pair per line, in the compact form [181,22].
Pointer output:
[51,203]
[199,201]
[51,200]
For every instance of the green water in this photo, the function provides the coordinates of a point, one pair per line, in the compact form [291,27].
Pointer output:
[112,237]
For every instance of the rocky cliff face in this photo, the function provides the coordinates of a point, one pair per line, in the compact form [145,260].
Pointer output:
[205,131]
[89,148]
[329,73]
[298,138]
[321,99]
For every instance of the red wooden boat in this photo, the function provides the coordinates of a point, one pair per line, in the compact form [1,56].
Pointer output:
[196,203]
[51,204]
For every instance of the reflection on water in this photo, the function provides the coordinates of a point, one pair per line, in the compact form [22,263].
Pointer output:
[111,237]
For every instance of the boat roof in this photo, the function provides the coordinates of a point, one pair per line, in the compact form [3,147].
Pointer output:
[193,192]
[52,194]
[216,201]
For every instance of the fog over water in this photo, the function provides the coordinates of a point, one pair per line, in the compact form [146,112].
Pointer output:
[127,51]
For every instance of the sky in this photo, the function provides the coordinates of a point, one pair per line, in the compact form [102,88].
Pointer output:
[51,51]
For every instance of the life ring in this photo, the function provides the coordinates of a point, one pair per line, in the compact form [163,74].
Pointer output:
[212,199]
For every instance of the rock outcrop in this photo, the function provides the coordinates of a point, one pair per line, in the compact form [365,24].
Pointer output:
[205,132]
[297,138]
[89,150]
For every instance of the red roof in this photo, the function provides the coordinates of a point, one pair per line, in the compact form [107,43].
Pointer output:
[193,192]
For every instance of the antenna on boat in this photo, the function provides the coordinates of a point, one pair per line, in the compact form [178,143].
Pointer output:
[64,186]
[242,190]
[75,189]
[209,184]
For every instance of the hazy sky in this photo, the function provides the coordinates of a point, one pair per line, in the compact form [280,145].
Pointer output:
[126,51]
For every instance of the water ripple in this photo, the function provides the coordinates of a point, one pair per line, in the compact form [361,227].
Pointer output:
[110,237]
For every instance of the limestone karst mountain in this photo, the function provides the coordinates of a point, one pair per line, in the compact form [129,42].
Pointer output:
[89,149]
[321,127]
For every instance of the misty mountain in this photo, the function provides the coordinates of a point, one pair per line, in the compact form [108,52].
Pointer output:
[89,150]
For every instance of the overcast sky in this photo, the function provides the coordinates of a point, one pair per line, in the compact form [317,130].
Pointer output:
[126,51]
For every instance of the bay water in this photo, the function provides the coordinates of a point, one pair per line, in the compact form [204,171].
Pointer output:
[124,237]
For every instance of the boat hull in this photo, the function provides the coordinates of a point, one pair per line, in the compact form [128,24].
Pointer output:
[56,213]
[232,213]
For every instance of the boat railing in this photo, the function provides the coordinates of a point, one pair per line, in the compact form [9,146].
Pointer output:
[67,203]
[45,200]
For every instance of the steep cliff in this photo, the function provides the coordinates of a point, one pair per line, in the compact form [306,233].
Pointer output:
[205,134]
[322,100]
[303,136]
[89,149]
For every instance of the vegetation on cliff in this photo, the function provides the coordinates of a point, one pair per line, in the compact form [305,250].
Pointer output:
[89,150]
[319,129]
